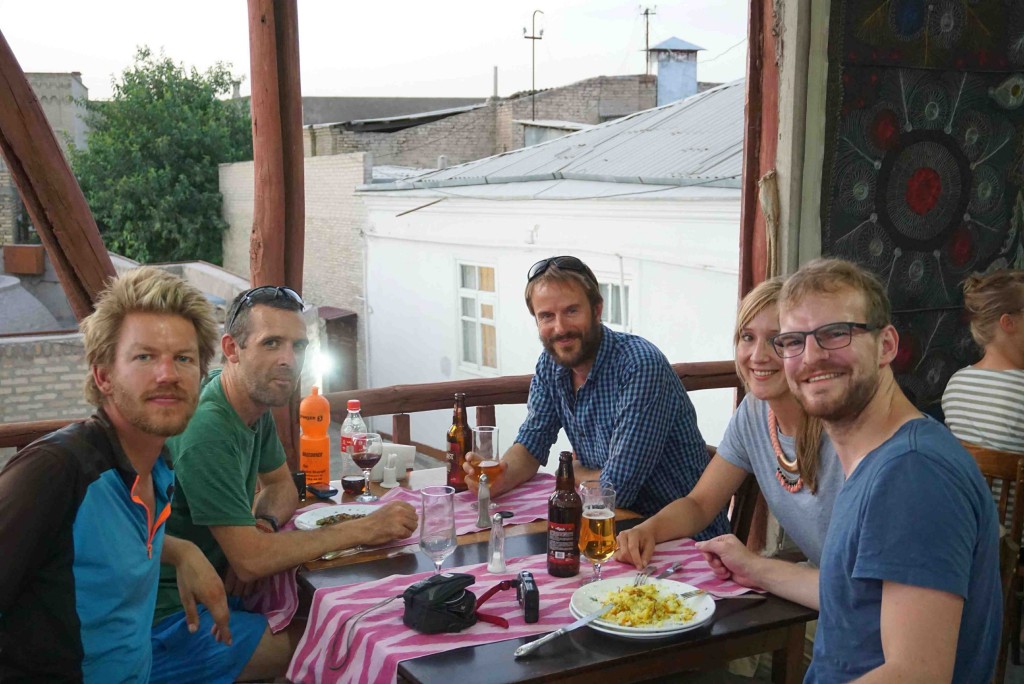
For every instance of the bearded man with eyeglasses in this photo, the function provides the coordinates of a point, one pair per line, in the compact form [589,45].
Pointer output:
[909,586]
[622,406]
[229,445]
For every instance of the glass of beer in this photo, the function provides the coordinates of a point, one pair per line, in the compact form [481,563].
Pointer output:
[485,446]
[597,529]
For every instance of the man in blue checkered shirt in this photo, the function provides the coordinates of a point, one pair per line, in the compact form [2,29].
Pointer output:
[622,406]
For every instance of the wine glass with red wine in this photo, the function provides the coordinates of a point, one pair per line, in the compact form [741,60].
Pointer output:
[367,449]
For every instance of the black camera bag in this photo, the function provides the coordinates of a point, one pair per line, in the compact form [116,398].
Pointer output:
[440,603]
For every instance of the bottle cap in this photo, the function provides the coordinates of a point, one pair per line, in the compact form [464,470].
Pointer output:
[353,404]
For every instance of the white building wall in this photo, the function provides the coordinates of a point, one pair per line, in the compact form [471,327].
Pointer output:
[679,259]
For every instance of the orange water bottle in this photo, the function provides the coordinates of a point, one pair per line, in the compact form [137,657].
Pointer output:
[314,444]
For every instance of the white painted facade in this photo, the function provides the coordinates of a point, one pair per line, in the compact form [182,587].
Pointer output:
[676,250]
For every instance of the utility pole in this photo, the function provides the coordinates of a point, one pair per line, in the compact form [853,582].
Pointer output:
[647,38]
[533,69]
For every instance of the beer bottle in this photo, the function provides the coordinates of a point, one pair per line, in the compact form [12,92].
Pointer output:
[460,442]
[565,509]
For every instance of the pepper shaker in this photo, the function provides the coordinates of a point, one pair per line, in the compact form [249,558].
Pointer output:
[483,503]
[496,546]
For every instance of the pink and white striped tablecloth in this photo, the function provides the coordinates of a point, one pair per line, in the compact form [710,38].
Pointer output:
[331,650]
[277,598]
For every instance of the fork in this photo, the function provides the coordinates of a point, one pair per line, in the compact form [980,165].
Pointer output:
[697,592]
[641,577]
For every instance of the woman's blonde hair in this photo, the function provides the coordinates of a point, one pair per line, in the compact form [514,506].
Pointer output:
[144,290]
[988,297]
[808,435]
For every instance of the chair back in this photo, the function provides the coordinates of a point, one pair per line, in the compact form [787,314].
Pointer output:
[1004,472]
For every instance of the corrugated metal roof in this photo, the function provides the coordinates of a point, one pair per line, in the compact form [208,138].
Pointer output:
[696,141]
[674,43]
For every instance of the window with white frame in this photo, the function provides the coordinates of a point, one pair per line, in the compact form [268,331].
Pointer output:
[616,305]
[479,330]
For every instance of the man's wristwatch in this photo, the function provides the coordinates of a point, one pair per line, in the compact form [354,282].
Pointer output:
[269,519]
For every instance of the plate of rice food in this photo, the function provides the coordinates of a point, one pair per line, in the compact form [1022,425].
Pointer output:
[332,515]
[652,611]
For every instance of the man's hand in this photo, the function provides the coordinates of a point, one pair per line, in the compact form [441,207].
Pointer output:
[198,581]
[495,487]
[730,558]
[635,546]
[395,520]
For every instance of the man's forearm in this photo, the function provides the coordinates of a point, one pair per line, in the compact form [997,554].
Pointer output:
[583,473]
[798,583]
[278,500]
[254,555]
[174,549]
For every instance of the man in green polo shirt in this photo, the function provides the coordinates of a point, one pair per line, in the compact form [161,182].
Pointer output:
[229,445]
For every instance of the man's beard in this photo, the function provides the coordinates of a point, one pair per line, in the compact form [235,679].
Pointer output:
[153,419]
[590,341]
[847,406]
[269,394]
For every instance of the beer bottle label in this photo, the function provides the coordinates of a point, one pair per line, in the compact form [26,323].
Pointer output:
[562,549]
[451,461]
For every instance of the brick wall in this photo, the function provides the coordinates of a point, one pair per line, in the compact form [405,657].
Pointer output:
[335,218]
[41,378]
[490,129]
[10,204]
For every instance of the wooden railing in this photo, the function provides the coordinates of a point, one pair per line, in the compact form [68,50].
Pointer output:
[401,400]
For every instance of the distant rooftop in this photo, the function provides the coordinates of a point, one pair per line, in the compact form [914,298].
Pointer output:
[676,44]
[693,142]
[321,110]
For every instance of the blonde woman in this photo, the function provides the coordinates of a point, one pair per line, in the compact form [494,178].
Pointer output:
[769,436]
[983,402]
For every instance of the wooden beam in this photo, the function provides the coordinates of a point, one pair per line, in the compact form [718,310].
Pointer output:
[511,389]
[51,194]
[277,241]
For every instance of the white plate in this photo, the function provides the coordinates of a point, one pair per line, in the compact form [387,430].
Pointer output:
[590,597]
[307,521]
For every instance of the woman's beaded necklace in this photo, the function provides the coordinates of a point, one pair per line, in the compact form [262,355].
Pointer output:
[787,469]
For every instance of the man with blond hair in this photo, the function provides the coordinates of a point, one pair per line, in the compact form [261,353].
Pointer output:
[82,509]
[909,586]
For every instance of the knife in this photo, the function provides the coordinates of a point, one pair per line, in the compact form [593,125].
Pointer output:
[669,570]
[530,647]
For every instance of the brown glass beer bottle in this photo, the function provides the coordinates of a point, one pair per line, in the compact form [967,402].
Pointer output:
[460,442]
[565,509]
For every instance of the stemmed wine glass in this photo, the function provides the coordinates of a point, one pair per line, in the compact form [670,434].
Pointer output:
[367,449]
[597,529]
[437,523]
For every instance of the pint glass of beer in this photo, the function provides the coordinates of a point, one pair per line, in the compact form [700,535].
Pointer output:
[597,529]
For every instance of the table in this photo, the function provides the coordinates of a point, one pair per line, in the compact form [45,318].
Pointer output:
[739,628]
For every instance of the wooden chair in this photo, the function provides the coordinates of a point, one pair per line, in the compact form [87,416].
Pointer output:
[1006,469]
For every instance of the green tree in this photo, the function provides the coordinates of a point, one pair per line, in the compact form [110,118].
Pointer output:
[150,170]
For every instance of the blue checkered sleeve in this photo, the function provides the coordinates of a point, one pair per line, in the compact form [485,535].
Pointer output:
[643,418]
[540,429]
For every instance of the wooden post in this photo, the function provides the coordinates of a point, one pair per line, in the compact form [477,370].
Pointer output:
[277,240]
[49,190]
[485,415]
[400,431]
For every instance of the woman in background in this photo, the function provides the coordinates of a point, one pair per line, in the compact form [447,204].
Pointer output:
[984,403]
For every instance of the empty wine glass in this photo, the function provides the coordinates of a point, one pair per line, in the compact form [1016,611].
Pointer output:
[437,523]
[597,529]
[367,449]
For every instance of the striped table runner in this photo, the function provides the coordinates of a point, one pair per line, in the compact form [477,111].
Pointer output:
[369,650]
[277,597]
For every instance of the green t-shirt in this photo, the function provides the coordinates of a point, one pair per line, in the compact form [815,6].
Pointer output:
[216,461]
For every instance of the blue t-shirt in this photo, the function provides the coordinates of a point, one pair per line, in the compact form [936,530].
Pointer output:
[631,418]
[915,511]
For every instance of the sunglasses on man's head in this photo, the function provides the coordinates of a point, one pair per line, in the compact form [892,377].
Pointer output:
[263,294]
[568,263]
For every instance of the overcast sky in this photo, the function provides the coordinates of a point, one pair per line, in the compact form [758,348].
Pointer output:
[399,48]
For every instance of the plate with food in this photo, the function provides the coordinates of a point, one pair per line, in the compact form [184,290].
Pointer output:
[651,611]
[331,515]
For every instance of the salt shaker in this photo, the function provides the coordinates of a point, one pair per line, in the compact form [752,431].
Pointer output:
[483,502]
[496,546]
